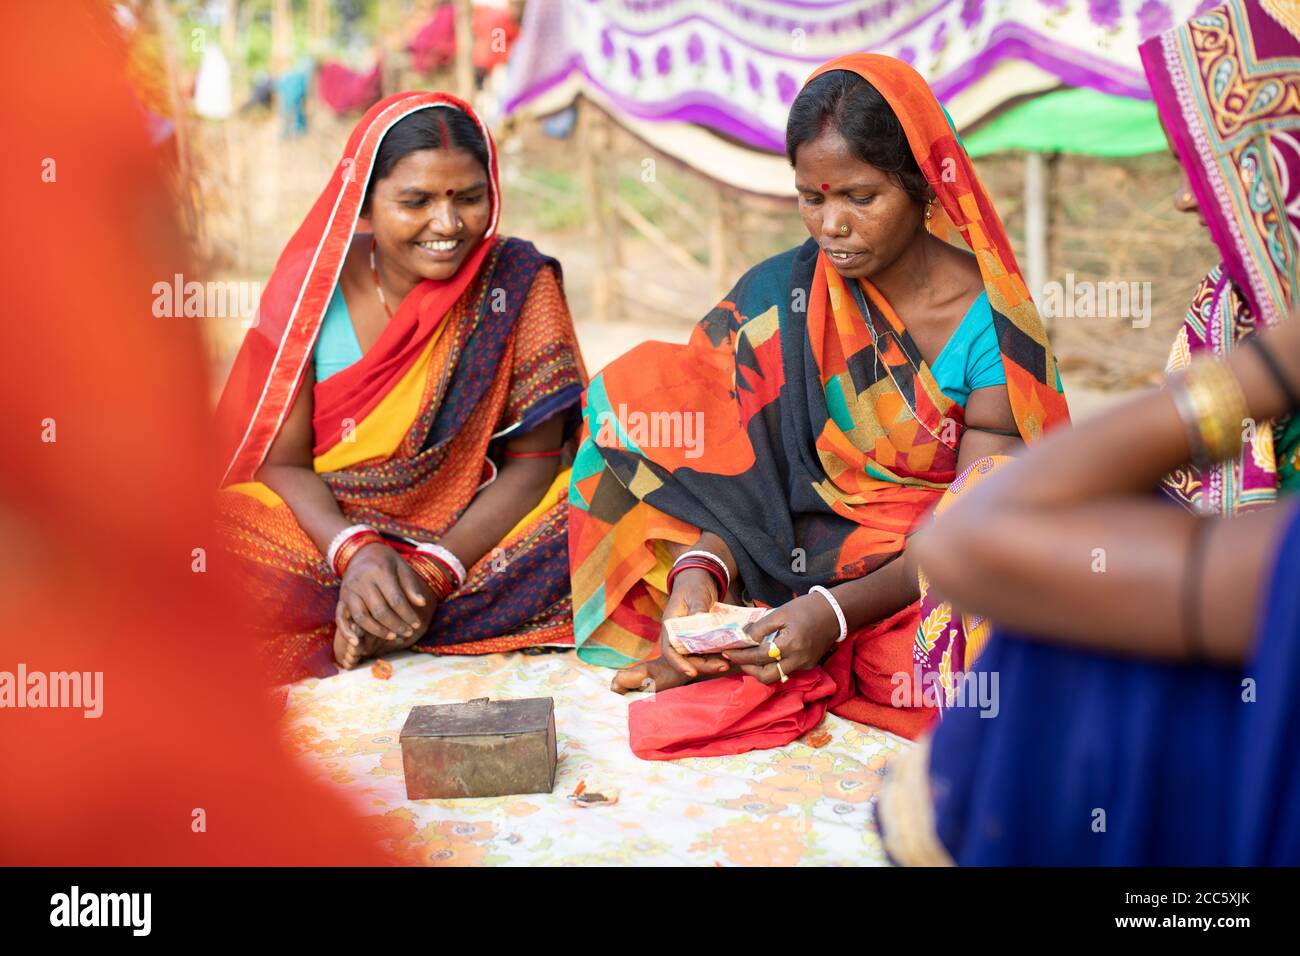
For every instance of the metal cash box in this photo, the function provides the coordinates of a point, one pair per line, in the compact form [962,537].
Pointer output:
[481,748]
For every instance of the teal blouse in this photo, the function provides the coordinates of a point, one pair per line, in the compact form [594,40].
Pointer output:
[337,347]
[971,358]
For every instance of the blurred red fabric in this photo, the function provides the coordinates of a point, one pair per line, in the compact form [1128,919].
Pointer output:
[434,46]
[348,91]
[98,528]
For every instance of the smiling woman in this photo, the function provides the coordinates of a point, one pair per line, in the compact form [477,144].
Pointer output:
[843,386]
[395,425]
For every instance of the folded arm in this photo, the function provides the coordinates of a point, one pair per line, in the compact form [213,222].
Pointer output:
[1071,542]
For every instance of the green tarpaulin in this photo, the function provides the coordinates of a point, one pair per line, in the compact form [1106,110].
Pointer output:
[1072,121]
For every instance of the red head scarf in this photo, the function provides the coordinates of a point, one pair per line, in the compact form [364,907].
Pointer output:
[269,368]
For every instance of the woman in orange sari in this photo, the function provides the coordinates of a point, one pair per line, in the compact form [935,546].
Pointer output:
[394,425]
[783,457]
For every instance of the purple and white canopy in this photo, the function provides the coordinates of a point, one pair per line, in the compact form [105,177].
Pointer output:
[734,66]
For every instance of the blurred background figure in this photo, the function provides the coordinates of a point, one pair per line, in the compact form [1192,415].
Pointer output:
[291,93]
[213,97]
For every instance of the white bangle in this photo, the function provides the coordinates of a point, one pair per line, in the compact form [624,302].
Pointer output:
[835,606]
[341,537]
[710,556]
[446,557]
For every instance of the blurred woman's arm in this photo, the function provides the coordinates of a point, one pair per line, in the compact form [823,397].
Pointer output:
[1070,543]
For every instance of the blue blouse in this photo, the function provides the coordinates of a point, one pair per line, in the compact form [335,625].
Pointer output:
[337,347]
[971,358]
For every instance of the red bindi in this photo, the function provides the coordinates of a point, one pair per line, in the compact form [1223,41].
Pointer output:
[451,192]
[825,186]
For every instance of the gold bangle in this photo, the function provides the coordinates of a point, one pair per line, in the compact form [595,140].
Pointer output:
[1210,402]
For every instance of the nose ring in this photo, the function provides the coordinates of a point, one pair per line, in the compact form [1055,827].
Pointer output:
[844,229]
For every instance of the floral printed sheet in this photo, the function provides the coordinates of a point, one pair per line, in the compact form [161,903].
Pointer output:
[799,804]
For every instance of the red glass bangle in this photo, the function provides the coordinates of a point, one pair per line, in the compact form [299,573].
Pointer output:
[703,565]
[433,573]
[349,548]
[443,565]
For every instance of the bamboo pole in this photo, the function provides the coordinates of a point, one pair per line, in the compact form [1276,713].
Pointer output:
[1035,224]
[718,241]
[318,25]
[229,31]
[167,34]
[598,230]
[281,36]
[386,20]
[465,50]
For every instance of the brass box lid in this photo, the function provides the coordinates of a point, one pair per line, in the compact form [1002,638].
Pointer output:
[480,717]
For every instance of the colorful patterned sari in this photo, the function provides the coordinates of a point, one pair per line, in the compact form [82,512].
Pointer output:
[947,640]
[1227,85]
[409,434]
[801,424]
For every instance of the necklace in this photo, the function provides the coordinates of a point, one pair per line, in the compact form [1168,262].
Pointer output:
[374,274]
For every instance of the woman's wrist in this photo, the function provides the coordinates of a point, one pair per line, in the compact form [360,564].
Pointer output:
[1266,397]
[369,550]
[696,578]
[708,541]
[347,544]
[841,623]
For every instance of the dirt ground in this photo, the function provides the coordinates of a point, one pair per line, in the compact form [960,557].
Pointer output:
[1110,221]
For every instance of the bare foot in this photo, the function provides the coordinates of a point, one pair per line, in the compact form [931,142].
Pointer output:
[347,650]
[652,675]
[349,653]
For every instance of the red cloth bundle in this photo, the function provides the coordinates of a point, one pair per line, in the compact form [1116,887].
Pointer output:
[735,714]
[727,715]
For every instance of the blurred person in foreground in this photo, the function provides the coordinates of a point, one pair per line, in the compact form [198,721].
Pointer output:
[107,511]
[1147,653]
[839,389]
[392,431]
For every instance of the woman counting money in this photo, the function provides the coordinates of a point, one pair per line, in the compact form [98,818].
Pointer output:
[843,386]
[393,426]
